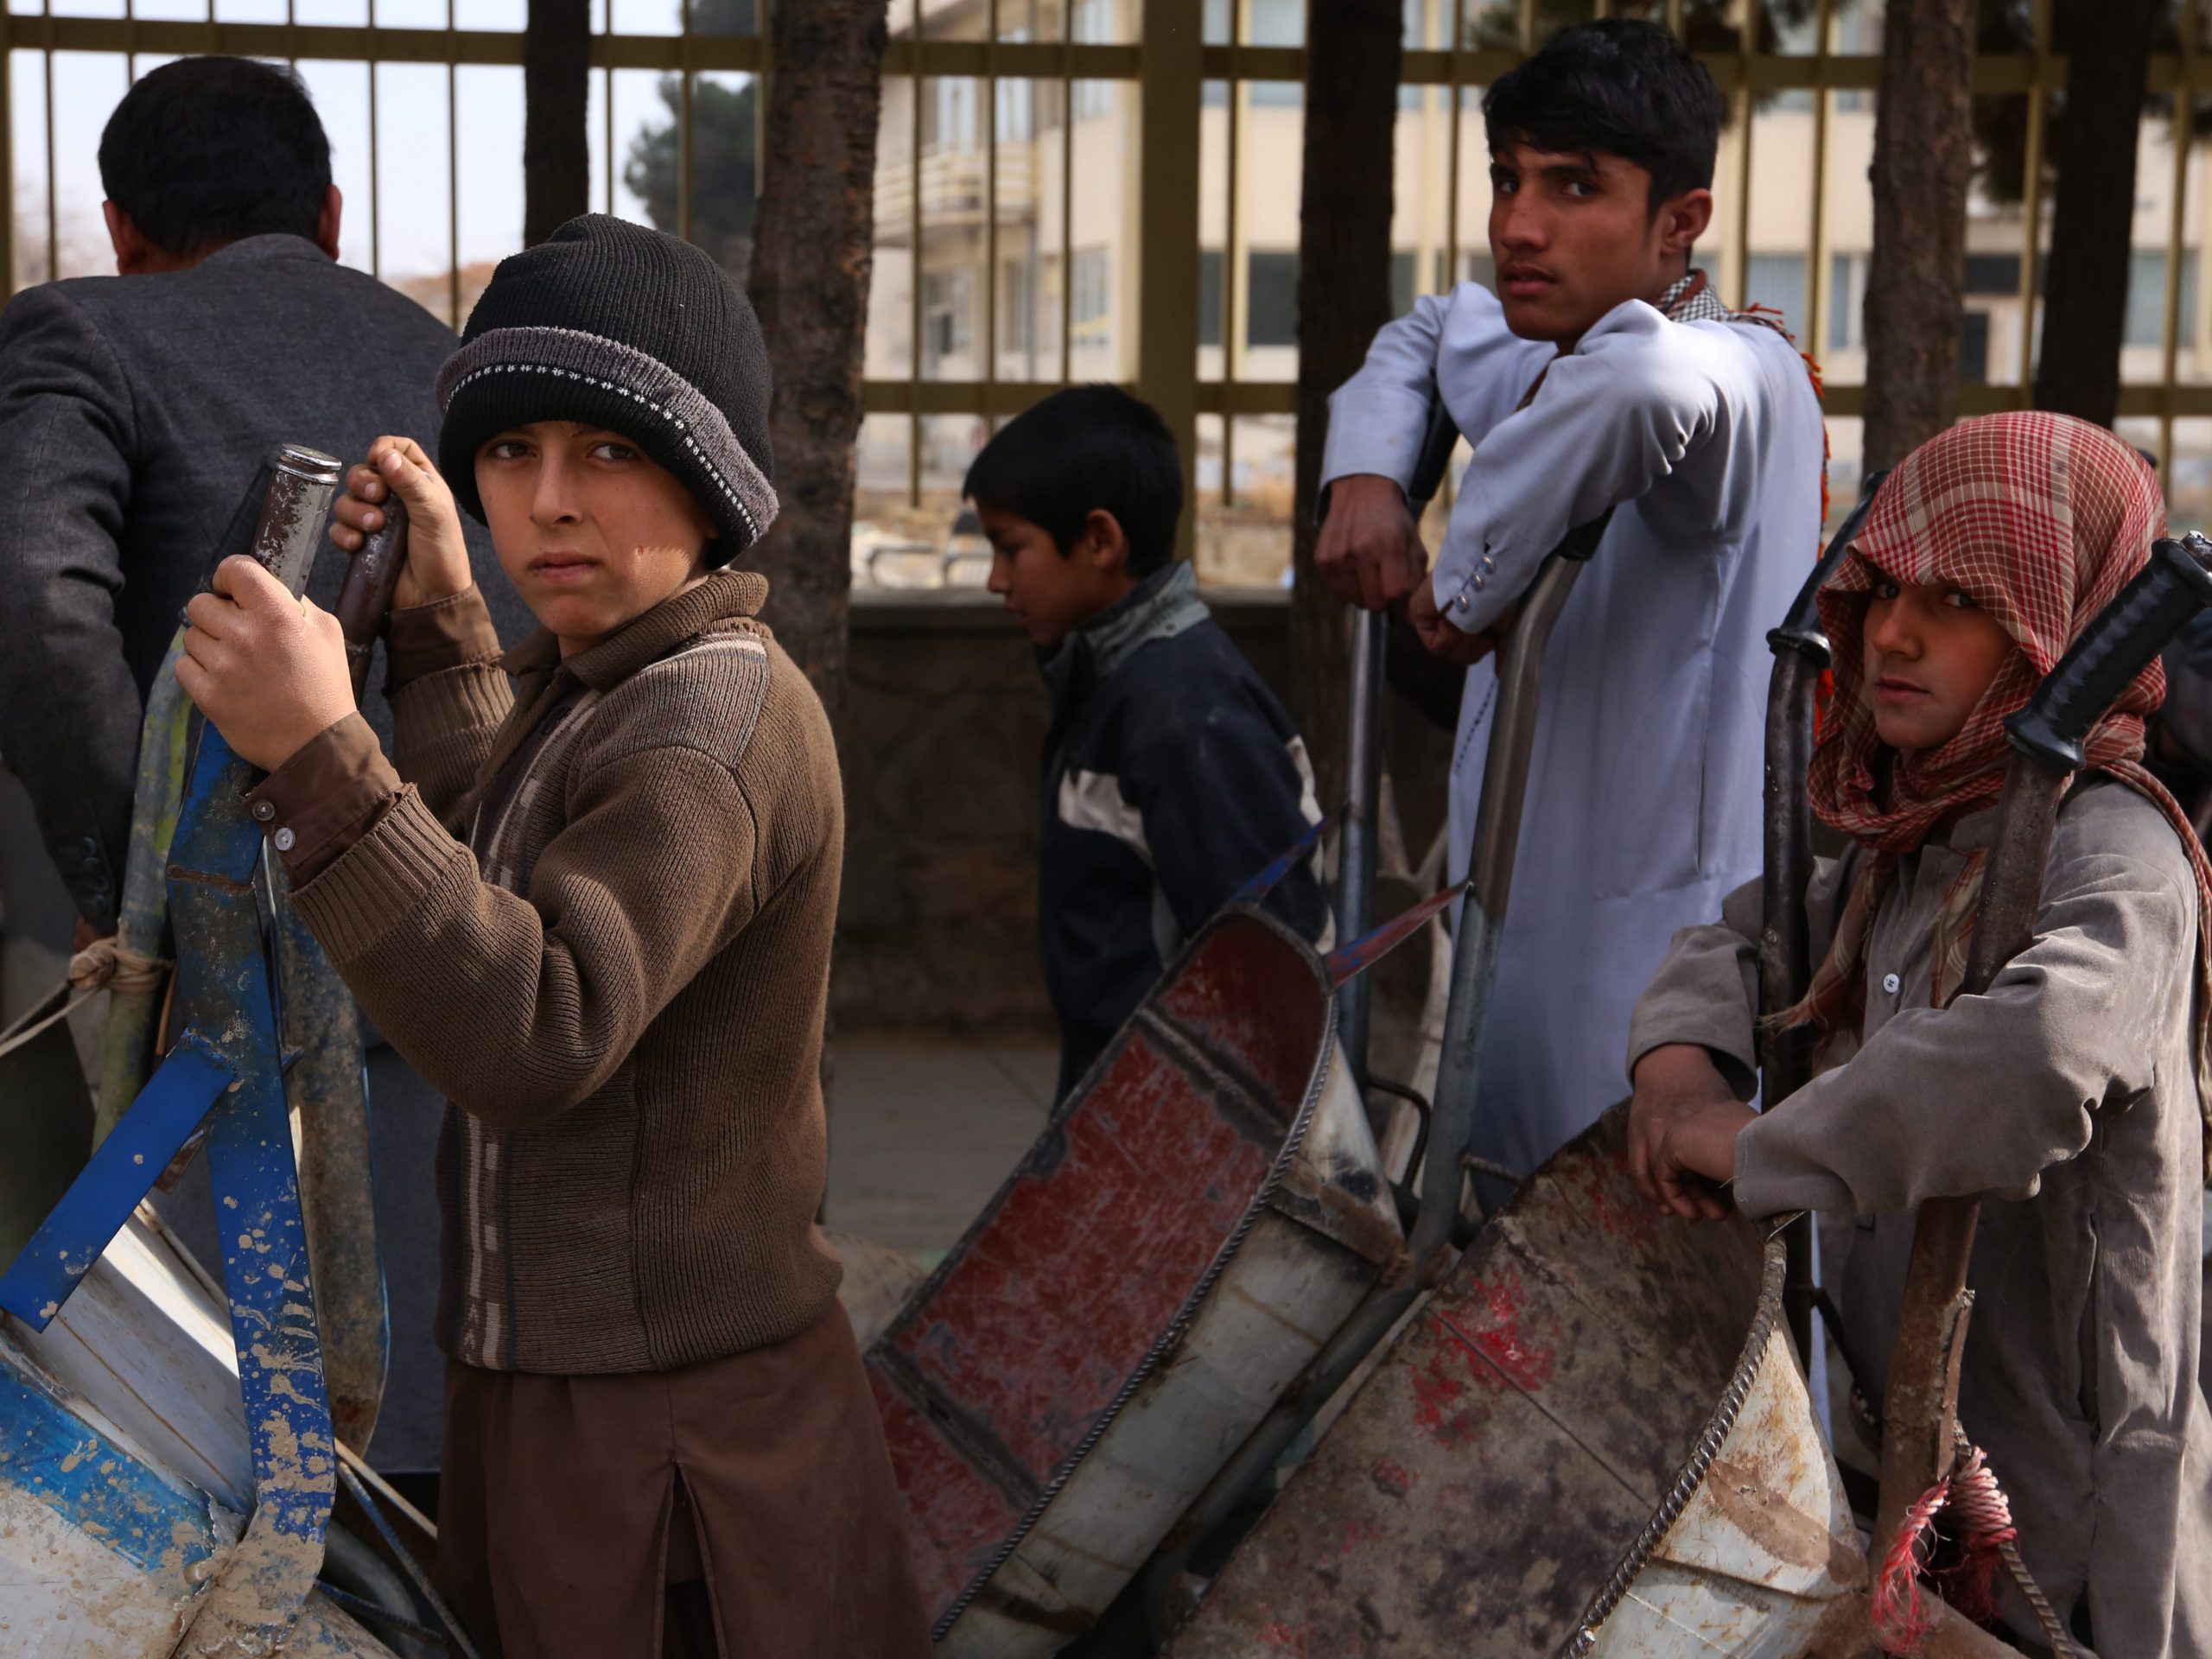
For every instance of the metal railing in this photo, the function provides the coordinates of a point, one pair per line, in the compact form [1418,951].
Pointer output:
[1167,69]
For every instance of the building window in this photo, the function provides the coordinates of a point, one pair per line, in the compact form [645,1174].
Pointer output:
[1092,300]
[1402,282]
[1015,102]
[1093,25]
[945,326]
[1210,296]
[1017,307]
[1994,274]
[948,114]
[1847,303]
[2146,300]
[1271,299]
[1974,349]
[1776,281]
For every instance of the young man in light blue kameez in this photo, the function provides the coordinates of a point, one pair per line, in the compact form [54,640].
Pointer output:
[1602,372]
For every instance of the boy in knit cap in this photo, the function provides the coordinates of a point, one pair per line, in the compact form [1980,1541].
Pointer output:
[595,908]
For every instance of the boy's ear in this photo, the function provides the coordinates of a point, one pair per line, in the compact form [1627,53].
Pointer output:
[1683,219]
[1105,544]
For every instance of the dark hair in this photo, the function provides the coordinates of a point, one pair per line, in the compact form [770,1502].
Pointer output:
[1626,87]
[1084,450]
[208,150]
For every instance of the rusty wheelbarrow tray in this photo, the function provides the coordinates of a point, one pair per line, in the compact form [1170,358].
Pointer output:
[1538,1466]
[1192,1226]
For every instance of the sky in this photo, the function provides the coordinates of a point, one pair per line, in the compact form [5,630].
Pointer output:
[412,230]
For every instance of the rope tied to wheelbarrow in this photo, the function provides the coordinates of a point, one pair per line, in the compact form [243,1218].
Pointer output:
[1987,1538]
[105,965]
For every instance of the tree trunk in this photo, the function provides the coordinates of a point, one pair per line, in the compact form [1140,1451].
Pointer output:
[813,254]
[556,94]
[1344,297]
[2085,306]
[1923,156]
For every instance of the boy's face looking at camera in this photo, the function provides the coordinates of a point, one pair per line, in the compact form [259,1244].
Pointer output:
[1929,653]
[592,533]
[1575,233]
[1049,592]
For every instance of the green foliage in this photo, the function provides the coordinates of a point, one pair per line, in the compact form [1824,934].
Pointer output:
[2006,28]
[1707,25]
[724,131]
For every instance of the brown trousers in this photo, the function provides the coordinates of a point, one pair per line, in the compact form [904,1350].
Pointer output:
[555,1534]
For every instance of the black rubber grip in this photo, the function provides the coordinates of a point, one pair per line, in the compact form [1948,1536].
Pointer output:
[2118,643]
[1437,442]
[1582,541]
[1801,627]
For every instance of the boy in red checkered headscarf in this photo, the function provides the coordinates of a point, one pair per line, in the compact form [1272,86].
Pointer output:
[2071,1090]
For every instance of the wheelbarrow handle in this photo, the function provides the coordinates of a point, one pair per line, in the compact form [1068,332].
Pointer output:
[2117,646]
[1356,849]
[1801,630]
[365,600]
[1801,656]
[1920,1407]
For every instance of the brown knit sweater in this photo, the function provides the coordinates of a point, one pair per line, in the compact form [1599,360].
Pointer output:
[598,915]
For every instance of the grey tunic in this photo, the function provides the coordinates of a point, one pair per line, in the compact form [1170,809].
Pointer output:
[2070,1090]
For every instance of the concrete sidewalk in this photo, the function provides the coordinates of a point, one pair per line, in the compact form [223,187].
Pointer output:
[922,1131]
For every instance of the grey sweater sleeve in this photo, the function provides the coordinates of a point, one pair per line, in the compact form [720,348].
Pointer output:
[2070,1028]
[69,709]
[1706,992]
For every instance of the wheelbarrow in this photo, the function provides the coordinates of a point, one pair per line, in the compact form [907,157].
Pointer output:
[1537,1444]
[1157,1282]
[1597,1438]
[1196,1219]
[168,1460]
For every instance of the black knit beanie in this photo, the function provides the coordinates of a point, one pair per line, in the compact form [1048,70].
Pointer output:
[612,324]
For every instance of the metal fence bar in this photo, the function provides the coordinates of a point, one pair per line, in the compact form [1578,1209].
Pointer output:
[376,189]
[914,285]
[52,192]
[2170,361]
[1816,252]
[1739,240]
[1067,190]
[990,114]
[2031,195]
[8,274]
[684,144]
[1171,90]
[1456,89]
[1228,318]
[453,185]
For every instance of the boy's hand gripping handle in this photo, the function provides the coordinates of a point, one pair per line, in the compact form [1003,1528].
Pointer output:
[365,599]
[2118,643]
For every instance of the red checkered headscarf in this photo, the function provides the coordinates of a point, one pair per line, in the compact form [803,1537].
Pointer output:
[2041,520]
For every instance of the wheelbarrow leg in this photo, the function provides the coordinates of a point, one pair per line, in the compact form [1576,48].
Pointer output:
[1801,657]
[1497,830]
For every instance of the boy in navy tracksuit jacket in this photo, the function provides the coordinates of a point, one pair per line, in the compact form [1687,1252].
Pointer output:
[1172,773]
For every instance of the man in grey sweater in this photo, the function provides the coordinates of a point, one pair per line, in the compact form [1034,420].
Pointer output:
[133,415]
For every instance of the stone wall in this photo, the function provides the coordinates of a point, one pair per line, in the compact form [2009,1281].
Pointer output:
[944,728]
